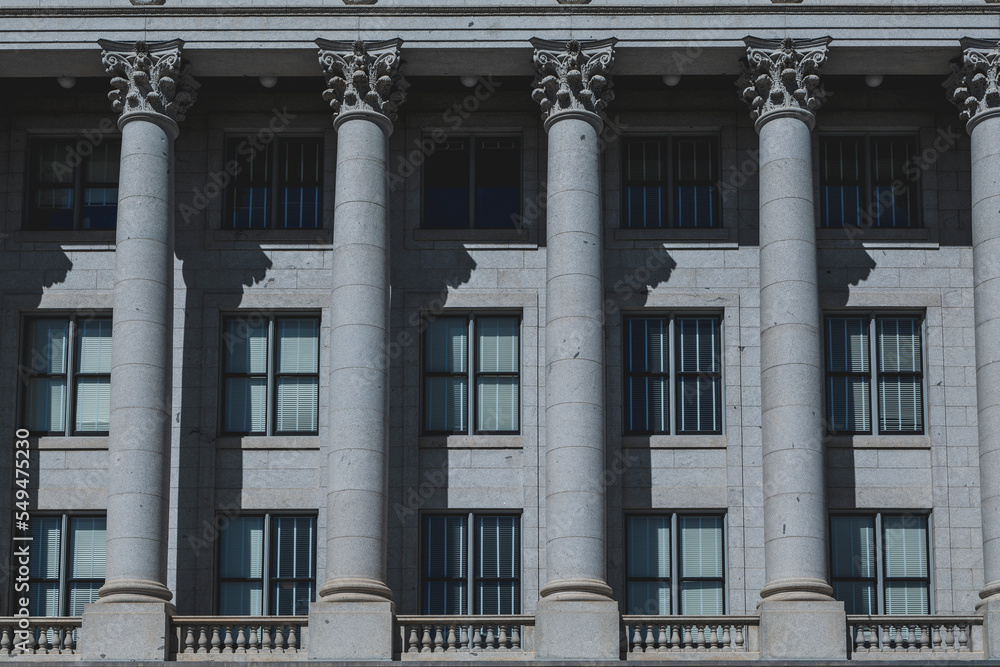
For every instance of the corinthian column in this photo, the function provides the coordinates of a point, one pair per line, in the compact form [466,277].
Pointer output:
[576,617]
[975,88]
[354,616]
[152,90]
[799,618]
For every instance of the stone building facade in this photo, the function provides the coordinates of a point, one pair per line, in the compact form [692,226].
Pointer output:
[551,322]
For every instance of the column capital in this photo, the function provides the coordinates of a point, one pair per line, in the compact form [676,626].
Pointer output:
[573,78]
[972,85]
[781,76]
[363,78]
[149,80]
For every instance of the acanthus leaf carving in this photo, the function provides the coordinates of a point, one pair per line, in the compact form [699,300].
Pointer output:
[783,74]
[973,85]
[149,78]
[363,76]
[573,76]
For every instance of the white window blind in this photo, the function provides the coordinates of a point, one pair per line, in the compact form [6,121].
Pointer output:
[93,379]
[46,533]
[701,564]
[241,562]
[88,538]
[294,553]
[298,375]
[900,375]
[497,390]
[853,563]
[648,567]
[647,392]
[906,565]
[245,352]
[46,356]
[498,565]
[699,382]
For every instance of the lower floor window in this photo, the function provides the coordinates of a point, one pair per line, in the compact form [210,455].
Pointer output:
[675,562]
[67,563]
[267,563]
[880,563]
[471,562]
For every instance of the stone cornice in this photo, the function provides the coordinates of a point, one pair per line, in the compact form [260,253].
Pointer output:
[149,79]
[362,77]
[973,85]
[573,76]
[783,75]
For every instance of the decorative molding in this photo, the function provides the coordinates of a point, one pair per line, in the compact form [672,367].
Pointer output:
[149,78]
[362,77]
[573,76]
[972,85]
[781,75]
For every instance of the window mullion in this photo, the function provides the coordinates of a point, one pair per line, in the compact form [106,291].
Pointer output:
[471,425]
[470,573]
[271,400]
[880,563]
[265,583]
[64,566]
[672,377]
[69,413]
[675,566]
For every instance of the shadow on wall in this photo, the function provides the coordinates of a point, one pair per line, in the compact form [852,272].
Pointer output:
[842,268]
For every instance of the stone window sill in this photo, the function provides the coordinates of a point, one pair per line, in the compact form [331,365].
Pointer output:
[879,441]
[676,235]
[317,236]
[96,237]
[472,235]
[267,442]
[674,442]
[472,442]
[54,442]
[854,236]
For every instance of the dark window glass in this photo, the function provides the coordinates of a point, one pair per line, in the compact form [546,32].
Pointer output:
[279,186]
[670,182]
[868,181]
[473,182]
[68,190]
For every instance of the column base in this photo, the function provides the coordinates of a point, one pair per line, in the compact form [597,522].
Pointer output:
[990,609]
[577,630]
[803,630]
[351,630]
[134,631]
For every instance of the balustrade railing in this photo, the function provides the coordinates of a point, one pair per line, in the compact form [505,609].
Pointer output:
[211,637]
[950,637]
[421,636]
[656,635]
[48,636]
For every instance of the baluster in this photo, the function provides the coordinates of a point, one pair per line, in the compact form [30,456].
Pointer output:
[477,638]
[650,643]
[739,638]
[949,637]
[281,639]
[71,640]
[60,635]
[229,640]
[702,631]
[438,639]
[925,638]
[675,640]
[688,641]
[5,642]
[712,636]
[726,639]
[661,641]
[515,638]
[464,638]
[936,637]
[502,639]
[253,641]
[413,644]
[490,639]
[293,638]
[241,640]
[425,640]
[265,639]
[44,643]
[188,646]
[216,640]
[886,638]
[202,640]
[636,640]
[913,637]
[859,639]
[963,637]
[451,638]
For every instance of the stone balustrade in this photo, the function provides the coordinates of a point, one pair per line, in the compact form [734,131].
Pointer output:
[217,637]
[653,636]
[50,637]
[473,636]
[919,637]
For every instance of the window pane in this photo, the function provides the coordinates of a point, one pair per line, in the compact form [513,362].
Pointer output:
[298,345]
[644,195]
[892,206]
[695,159]
[646,345]
[649,598]
[301,173]
[100,192]
[847,347]
[498,182]
[445,407]
[900,405]
[848,403]
[842,173]
[291,598]
[498,344]
[497,404]
[298,404]
[241,598]
[699,409]
[704,598]
[701,547]
[498,544]
[446,346]
[698,345]
[47,404]
[446,186]
[858,596]
[899,345]
[46,532]
[245,343]
[88,536]
[907,597]
[498,597]
[52,182]
[649,546]
[643,161]
[646,404]
[905,546]
[93,346]
[853,546]
[445,598]
[644,206]
[294,540]
[241,549]
[445,543]
[93,404]
[43,599]
[249,197]
[695,202]
[245,407]
[696,206]
[48,346]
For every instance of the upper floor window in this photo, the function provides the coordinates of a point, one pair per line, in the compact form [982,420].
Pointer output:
[473,183]
[67,375]
[279,186]
[869,181]
[880,563]
[675,561]
[492,405]
[683,352]
[897,402]
[276,357]
[267,563]
[72,184]
[64,577]
[482,574]
[670,182]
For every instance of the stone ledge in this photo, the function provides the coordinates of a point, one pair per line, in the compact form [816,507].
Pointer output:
[673,235]
[472,441]
[72,442]
[268,442]
[674,442]
[879,441]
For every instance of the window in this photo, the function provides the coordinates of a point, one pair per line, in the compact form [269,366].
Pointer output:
[493,342]
[880,563]
[279,186]
[482,573]
[64,577]
[67,375]
[898,374]
[869,181]
[683,548]
[280,579]
[670,182]
[276,357]
[694,343]
[69,190]
[473,183]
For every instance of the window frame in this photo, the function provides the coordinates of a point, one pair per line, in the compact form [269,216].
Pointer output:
[875,373]
[64,580]
[230,145]
[271,374]
[71,374]
[880,579]
[472,374]
[470,517]
[472,137]
[676,566]
[670,182]
[79,182]
[673,374]
[267,578]
[867,217]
